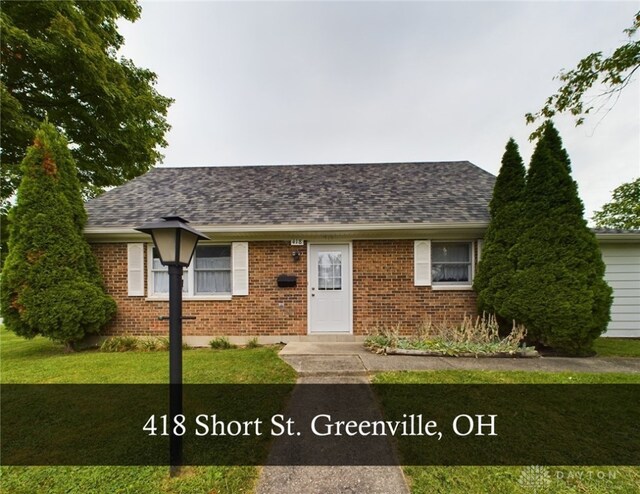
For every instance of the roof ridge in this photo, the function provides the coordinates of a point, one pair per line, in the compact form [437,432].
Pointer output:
[282,165]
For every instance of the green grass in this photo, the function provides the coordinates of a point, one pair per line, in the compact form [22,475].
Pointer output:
[505,480]
[499,479]
[502,377]
[40,361]
[617,347]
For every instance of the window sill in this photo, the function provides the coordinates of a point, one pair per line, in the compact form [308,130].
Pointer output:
[190,298]
[452,287]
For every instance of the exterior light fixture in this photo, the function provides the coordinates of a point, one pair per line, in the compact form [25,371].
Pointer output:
[176,242]
[174,238]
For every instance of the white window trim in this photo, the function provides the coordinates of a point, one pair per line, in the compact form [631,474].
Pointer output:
[189,294]
[462,287]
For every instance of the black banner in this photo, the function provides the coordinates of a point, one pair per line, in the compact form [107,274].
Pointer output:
[323,424]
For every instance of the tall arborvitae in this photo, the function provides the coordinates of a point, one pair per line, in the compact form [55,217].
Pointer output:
[558,290]
[50,283]
[495,269]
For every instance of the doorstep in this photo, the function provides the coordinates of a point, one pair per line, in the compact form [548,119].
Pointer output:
[324,347]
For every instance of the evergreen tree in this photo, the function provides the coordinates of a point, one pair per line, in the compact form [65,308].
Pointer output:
[558,290]
[51,284]
[495,269]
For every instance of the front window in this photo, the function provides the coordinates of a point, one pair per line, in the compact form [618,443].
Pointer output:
[160,276]
[451,263]
[208,274]
[212,269]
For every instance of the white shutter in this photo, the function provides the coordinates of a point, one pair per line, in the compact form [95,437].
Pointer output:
[240,266]
[480,246]
[135,270]
[422,262]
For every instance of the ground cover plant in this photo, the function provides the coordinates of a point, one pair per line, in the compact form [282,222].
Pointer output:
[513,479]
[479,336]
[42,361]
[221,343]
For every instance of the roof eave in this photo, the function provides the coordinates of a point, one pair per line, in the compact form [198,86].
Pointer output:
[451,230]
[618,237]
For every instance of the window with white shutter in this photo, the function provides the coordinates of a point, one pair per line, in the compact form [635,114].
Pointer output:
[444,265]
[209,276]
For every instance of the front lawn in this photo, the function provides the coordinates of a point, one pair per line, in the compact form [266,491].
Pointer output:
[40,361]
[507,480]
[617,347]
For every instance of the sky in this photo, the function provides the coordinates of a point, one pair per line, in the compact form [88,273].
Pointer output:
[356,82]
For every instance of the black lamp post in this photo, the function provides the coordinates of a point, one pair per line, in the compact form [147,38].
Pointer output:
[176,242]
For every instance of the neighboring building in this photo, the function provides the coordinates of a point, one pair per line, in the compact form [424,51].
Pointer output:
[621,254]
[363,245]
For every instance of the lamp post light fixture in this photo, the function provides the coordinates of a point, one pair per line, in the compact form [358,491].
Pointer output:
[176,243]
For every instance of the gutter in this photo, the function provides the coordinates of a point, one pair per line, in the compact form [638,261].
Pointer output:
[618,237]
[308,231]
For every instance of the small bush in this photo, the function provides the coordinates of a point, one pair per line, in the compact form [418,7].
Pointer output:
[119,344]
[162,344]
[146,345]
[253,343]
[221,343]
[382,336]
[131,343]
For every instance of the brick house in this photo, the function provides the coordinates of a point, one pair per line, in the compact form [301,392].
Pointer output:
[298,252]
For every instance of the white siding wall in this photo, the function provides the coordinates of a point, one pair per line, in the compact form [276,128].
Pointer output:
[623,275]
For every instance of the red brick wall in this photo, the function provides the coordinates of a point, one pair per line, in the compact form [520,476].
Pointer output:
[383,293]
[267,310]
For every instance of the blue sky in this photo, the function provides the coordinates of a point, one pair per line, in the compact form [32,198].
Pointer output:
[337,82]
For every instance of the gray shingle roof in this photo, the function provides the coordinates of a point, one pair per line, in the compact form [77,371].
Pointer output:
[380,193]
[612,231]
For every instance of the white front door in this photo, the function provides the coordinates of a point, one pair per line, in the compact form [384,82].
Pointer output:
[329,288]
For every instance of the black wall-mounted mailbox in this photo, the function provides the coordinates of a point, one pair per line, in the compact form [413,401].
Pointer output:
[287,281]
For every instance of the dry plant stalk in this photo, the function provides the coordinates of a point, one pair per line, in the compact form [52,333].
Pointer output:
[482,329]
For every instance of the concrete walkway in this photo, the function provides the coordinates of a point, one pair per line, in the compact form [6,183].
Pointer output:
[353,358]
[295,479]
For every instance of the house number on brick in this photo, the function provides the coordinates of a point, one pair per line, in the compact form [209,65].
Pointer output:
[297,242]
